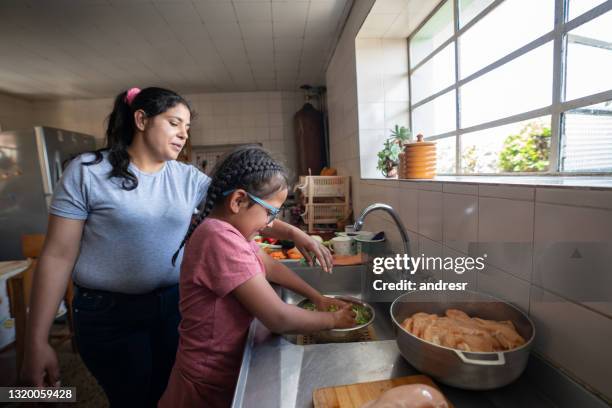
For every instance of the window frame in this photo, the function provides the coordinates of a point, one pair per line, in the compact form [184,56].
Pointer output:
[558,36]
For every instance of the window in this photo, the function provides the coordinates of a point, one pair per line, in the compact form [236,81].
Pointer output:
[500,91]
[589,58]
[587,145]
[437,29]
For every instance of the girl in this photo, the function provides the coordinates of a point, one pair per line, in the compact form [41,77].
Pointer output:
[113,219]
[224,282]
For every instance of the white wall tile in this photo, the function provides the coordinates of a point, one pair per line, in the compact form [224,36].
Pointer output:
[459,274]
[409,207]
[511,192]
[573,253]
[431,249]
[428,185]
[505,234]
[575,196]
[430,215]
[372,116]
[574,337]
[460,188]
[460,221]
[505,286]
[396,113]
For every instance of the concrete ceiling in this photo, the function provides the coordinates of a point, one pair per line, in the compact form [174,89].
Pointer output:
[95,48]
[396,18]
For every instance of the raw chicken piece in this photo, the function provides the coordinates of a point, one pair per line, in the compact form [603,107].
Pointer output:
[409,396]
[419,322]
[457,314]
[470,342]
[504,332]
[460,331]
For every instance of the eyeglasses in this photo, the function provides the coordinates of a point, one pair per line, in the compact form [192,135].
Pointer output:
[272,211]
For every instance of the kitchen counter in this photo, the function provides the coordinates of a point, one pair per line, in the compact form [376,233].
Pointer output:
[278,373]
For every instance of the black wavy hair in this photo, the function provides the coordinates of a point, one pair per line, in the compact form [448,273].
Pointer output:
[249,167]
[121,128]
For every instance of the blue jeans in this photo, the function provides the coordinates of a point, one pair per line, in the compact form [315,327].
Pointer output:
[128,342]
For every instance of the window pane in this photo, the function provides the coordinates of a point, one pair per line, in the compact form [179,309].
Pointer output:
[517,147]
[468,9]
[435,117]
[435,75]
[587,141]
[519,86]
[578,7]
[438,29]
[508,27]
[589,58]
[446,154]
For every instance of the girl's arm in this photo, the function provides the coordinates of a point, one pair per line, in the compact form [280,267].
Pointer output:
[278,273]
[260,299]
[303,242]
[50,279]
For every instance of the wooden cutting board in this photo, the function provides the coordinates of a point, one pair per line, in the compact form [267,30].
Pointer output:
[355,395]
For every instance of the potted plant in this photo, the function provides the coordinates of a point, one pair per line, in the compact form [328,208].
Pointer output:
[388,157]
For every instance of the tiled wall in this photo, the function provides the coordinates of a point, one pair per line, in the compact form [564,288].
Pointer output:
[549,250]
[264,117]
[382,92]
[341,82]
[223,118]
[15,113]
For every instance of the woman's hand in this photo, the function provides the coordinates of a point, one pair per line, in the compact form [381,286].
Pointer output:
[309,246]
[323,303]
[40,367]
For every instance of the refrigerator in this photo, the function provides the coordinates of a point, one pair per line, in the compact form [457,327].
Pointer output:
[31,164]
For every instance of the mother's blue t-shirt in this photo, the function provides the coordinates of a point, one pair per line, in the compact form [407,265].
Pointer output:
[129,237]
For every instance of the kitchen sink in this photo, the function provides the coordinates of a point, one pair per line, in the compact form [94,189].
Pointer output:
[346,281]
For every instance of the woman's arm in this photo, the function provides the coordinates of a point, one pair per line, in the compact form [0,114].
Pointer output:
[260,299]
[278,273]
[303,242]
[62,243]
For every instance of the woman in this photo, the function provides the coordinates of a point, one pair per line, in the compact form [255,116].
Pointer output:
[115,221]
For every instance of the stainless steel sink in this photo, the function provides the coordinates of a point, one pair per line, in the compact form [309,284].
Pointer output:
[347,281]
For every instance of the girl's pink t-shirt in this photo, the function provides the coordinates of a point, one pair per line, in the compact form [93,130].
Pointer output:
[214,325]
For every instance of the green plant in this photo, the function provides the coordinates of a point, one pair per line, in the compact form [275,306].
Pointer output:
[469,159]
[388,157]
[526,151]
[401,134]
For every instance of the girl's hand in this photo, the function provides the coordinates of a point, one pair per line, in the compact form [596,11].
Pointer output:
[308,246]
[323,303]
[344,318]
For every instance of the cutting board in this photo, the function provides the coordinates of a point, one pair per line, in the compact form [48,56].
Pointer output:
[355,395]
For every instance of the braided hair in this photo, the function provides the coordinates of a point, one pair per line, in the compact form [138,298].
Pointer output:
[248,167]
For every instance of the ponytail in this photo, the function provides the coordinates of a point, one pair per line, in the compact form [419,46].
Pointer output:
[121,128]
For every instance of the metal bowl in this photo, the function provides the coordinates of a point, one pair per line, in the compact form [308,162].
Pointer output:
[343,335]
[461,369]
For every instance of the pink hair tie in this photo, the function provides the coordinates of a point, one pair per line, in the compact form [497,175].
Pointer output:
[131,94]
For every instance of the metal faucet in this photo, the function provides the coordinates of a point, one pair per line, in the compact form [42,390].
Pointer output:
[394,215]
[427,276]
